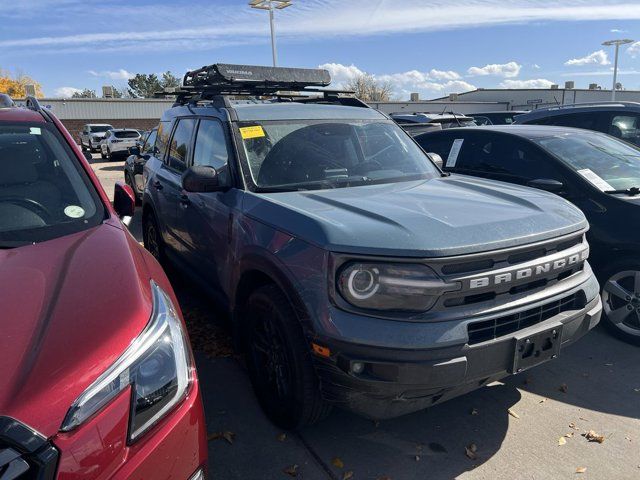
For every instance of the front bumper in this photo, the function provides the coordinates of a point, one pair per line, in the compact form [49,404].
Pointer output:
[395,382]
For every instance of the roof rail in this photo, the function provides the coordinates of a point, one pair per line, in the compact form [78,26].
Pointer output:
[217,82]
[606,103]
[32,103]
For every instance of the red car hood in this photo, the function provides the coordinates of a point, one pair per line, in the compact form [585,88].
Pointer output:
[68,308]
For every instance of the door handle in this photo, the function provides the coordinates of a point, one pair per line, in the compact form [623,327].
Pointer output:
[184,200]
[157,185]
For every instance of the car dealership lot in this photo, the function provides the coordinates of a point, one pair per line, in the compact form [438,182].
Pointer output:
[516,426]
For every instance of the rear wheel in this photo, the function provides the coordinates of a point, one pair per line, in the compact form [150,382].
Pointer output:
[102,154]
[151,237]
[279,361]
[621,301]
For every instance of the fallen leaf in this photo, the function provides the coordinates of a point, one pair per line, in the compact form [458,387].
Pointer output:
[568,435]
[594,437]
[347,475]
[513,414]
[581,469]
[563,388]
[474,411]
[228,436]
[543,400]
[291,470]
[337,462]
[573,425]
[470,451]
[582,418]
[282,437]
[561,441]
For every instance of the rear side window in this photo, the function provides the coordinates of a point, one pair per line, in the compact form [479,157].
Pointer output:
[211,148]
[181,144]
[162,139]
[586,120]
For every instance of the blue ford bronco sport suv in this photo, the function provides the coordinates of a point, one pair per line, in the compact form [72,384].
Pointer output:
[356,272]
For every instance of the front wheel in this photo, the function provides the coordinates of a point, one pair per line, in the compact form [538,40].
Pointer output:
[279,361]
[621,302]
[151,237]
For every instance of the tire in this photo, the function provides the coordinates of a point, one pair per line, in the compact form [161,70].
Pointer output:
[102,155]
[129,181]
[82,147]
[621,301]
[109,157]
[279,361]
[152,238]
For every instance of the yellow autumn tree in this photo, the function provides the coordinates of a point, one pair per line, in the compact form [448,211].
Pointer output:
[13,85]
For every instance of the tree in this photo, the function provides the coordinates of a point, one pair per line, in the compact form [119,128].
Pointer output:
[14,86]
[145,85]
[86,93]
[368,89]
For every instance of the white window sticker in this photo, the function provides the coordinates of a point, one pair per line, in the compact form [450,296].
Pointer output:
[453,153]
[595,179]
[35,131]
[74,211]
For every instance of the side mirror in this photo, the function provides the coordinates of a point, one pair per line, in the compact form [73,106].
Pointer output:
[201,179]
[437,159]
[134,151]
[87,156]
[546,184]
[124,200]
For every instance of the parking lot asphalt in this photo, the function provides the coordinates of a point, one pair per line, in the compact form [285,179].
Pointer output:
[532,426]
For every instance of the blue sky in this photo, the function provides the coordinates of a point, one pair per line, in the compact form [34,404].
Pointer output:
[434,47]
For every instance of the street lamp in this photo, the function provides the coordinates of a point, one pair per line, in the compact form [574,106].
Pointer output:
[271,5]
[617,43]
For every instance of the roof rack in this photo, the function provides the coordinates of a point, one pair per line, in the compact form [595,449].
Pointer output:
[6,101]
[32,103]
[219,81]
[591,104]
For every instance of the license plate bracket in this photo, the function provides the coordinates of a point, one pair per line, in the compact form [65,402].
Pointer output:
[536,348]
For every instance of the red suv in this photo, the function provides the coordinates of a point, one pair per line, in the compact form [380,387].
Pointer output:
[97,378]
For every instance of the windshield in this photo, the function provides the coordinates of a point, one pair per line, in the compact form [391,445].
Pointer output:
[605,161]
[100,128]
[298,154]
[44,193]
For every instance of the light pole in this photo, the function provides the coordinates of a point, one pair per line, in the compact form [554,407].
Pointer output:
[270,5]
[617,43]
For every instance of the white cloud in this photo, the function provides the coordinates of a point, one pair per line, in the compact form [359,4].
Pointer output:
[120,74]
[507,70]
[617,30]
[535,66]
[533,83]
[403,83]
[66,92]
[634,49]
[598,57]
[311,19]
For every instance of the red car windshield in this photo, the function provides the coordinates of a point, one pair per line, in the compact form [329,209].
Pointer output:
[44,192]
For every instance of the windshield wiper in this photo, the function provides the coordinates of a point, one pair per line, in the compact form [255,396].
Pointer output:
[632,191]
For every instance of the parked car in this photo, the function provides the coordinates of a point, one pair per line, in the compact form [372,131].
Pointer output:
[117,142]
[598,173]
[98,379]
[92,134]
[357,274]
[496,118]
[620,119]
[134,164]
[438,121]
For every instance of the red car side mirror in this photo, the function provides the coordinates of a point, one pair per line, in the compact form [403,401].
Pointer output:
[124,200]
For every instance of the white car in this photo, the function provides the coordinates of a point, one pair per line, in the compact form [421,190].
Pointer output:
[92,134]
[117,142]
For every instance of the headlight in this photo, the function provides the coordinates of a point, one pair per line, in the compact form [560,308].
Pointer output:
[389,286]
[157,365]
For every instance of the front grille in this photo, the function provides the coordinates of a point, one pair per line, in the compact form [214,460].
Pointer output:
[490,329]
[24,453]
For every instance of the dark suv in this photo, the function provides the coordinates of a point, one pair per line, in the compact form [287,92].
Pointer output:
[620,119]
[357,273]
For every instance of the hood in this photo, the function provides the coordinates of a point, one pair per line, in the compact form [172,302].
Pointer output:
[70,307]
[430,218]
